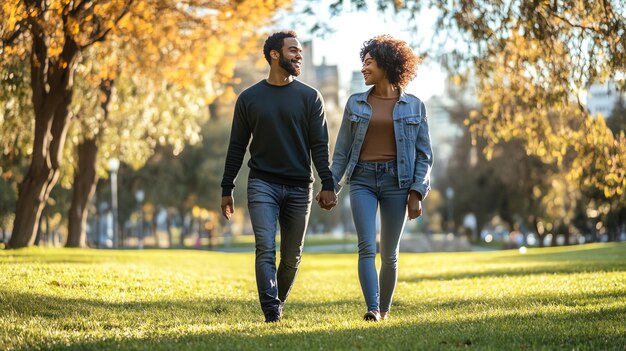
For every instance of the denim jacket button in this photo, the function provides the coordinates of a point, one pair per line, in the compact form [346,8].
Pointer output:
[401,161]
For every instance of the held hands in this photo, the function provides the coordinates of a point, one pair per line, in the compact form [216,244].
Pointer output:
[228,207]
[326,199]
[414,205]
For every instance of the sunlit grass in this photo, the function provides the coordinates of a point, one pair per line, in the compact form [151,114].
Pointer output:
[557,298]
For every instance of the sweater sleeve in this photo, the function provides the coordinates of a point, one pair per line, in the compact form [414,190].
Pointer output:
[318,139]
[239,138]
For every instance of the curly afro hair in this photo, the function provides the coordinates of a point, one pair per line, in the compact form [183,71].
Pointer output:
[275,42]
[394,56]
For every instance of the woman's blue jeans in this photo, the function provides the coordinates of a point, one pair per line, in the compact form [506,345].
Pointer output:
[371,184]
[270,204]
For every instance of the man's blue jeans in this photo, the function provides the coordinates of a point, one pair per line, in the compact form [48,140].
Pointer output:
[270,204]
[374,183]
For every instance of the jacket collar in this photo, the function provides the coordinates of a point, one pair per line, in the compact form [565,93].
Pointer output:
[362,97]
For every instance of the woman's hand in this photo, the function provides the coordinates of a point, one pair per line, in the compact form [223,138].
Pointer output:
[326,199]
[414,204]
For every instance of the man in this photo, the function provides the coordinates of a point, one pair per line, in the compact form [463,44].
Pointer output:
[287,122]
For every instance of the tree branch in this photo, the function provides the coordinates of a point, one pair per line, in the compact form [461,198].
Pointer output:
[21,27]
[573,25]
[98,37]
[79,7]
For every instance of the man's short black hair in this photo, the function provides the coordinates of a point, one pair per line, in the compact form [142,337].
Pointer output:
[275,42]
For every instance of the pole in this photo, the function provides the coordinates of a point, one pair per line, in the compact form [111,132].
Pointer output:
[116,237]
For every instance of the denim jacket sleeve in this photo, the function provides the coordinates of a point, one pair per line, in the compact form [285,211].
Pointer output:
[423,157]
[341,153]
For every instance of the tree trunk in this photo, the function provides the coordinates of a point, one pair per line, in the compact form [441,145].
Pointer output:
[568,235]
[85,179]
[51,82]
[621,226]
[40,234]
[480,223]
[184,230]
[155,228]
[170,237]
[540,237]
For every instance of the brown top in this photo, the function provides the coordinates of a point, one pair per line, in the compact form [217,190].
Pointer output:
[380,142]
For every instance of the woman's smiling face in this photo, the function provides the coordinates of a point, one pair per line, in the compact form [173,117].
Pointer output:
[371,72]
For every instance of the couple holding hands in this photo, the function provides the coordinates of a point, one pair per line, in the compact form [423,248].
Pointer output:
[383,151]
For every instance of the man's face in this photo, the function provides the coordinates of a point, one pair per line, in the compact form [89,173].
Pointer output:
[290,58]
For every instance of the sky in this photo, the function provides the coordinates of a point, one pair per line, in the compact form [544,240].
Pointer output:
[351,29]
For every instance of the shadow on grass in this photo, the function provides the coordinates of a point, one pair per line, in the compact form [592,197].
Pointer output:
[58,308]
[573,321]
[501,333]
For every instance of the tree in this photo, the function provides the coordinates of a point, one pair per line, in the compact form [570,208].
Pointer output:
[509,184]
[15,137]
[51,34]
[8,196]
[616,220]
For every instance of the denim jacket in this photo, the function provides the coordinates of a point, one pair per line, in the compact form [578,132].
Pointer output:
[413,147]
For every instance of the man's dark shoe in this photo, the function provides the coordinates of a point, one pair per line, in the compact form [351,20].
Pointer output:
[272,317]
[372,316]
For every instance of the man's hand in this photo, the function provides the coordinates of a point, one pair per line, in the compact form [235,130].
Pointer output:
[228,207]
[326,199]
[414,204]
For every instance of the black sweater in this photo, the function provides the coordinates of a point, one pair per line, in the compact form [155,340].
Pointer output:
[288,129]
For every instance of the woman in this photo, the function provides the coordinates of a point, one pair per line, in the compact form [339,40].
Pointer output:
[384,152]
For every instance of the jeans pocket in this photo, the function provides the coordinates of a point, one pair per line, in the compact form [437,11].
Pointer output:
[252,184]
[359,175]
[258,190]
[301,190]
[358,170]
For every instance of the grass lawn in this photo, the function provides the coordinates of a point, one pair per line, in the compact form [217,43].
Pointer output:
[566,298]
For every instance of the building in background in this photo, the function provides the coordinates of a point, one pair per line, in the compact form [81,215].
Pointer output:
[443,133]
[307,74]
[327,82]
[601,98]
[357,83]
[324,78]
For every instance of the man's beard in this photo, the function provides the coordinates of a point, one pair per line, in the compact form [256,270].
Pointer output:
[287,66]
